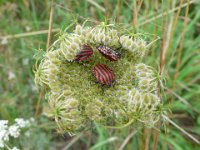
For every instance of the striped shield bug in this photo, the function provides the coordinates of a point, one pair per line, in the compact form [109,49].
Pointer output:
[109,53]
[85,53]
[103,74]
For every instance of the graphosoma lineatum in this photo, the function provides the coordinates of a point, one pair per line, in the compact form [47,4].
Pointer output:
[85,53]
[109,53]
[103,74]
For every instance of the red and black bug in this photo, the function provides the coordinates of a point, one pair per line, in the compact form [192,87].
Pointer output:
[109,53]
[85,53]
[103,74]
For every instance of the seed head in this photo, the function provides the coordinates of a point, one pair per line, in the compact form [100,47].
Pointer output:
[127,93]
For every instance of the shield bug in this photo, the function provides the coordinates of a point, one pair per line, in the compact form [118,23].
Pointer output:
[109,53]
[85,53]
[103,74]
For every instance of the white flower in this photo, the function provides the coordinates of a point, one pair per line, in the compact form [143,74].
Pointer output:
[3,124]
[14,148]
[22,123]
[4,136]
[14,131]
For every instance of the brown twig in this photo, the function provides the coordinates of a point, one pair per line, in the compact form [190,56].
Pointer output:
[155,135]
[152,49]
[139,5]
[167,46]
[135,15]
[181,45]
[181,129]
[127,140]
[164,35]
[72,141]
[170,34]
[160,16]
[145,14]
[136,9]
[182,100]
[109,7]
[48,44]
[97,5]
[38,102]
[172,31]
[155,132]
[189,19]
[165,39]
[118,9]
[50,23]
[22,35]
[145,139]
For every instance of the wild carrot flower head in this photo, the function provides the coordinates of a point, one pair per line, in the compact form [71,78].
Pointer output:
[77,96]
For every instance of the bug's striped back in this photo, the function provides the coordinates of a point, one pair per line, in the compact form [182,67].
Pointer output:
[103,74]
[109,53]
[85,53]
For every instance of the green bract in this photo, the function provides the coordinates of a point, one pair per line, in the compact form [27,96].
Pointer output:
[76,99]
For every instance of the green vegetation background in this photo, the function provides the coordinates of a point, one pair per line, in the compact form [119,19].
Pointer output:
[177,22]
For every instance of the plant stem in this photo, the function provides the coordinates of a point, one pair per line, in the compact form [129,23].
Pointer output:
[50,24]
